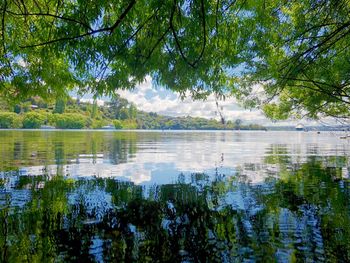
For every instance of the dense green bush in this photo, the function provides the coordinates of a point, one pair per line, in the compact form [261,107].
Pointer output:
[129,124]
[70,121]
[98,124]
[10,120]
[33,120]
[117,124]
[51,119]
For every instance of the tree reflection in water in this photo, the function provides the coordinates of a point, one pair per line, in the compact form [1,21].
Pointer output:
[301,216]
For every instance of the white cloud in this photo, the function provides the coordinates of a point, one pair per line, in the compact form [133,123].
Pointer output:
[150,99]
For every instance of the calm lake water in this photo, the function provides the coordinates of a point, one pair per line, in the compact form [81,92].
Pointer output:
[111,196]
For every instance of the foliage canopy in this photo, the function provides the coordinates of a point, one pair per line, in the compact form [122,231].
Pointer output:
[292,56]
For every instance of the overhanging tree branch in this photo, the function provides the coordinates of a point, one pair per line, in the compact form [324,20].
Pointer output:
[69,19]
[89,33]
[121,17]
[139,28]
[194,63]
[156,44]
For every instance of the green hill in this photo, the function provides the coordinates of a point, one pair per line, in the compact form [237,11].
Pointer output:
[119,113]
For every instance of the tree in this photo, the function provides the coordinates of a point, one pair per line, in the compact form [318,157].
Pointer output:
[60,106]
[33,120]
[238,123]
[17,108]
[94,111]
[132,111]
[115,106]
[124,114]
[9,120]
[300,59]
[295,51]
[70,121]
[117,124]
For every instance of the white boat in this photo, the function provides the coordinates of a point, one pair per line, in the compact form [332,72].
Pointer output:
[299,127]
[108,127]
[47,127]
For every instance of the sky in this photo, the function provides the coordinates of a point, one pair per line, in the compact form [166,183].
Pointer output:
[151,98]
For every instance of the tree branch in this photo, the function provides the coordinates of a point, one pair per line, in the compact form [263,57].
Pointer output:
[217,16]
[122,16]
[89,33]
[321,91]
[69,19]
[192,64]
[320,45]
[156,44]
[102,73]
[4,38]
[37,5]
[229,6]
[204,34]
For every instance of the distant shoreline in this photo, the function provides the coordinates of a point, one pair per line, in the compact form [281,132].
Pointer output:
[165,131]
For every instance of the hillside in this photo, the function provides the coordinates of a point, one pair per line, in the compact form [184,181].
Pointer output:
[69,113]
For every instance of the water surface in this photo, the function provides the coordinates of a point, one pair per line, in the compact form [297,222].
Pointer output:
[101,196]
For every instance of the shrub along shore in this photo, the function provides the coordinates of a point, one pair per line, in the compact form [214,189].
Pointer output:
[37,120]
[68,113]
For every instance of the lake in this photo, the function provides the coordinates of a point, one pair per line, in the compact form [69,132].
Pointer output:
[174,196]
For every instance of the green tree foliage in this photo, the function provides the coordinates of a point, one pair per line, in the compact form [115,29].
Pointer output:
[128,116]
[17,109]
[94,110]
[117,124]
[10,120]
[70,121]
[26,106]
[299,54]
[115,106]
[129,124]
[60,106]
[132,111]
[296,52]
[124,114]
[154,121]
[33,120]
[98,124]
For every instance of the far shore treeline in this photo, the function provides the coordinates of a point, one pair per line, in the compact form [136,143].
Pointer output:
[69,113]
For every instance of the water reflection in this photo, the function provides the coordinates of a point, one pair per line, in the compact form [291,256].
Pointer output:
[303,215]
[85,197]
[155,157]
